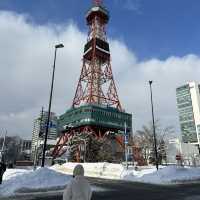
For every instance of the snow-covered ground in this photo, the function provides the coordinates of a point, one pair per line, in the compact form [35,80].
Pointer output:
[43,178]
[57,176]
[11,173]
[100,170]
[165,175]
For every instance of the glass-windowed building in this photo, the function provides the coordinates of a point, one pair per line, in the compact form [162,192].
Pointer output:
[188,104]
[38,133]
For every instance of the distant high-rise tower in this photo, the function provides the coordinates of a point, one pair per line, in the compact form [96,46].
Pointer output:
[188,103]
[96,109]
[39,129]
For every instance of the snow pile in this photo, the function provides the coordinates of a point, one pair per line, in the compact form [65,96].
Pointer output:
[112,170]
[166,175]
[10,173]
[43,178]
[91,169]
[100,170]
[57,176]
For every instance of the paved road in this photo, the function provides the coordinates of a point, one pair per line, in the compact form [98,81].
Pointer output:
[119,190]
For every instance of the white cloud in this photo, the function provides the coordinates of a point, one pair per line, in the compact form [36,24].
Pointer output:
[131,5]
[167,75]
[26,57]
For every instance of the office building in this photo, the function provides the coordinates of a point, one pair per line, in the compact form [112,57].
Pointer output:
[188,104]
[38,132]
[25,145]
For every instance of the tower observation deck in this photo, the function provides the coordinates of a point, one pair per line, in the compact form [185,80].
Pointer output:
[96,108]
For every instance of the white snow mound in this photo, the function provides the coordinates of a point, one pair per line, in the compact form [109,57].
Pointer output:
[57,176]
[166,175]
[42,178]
[10,173]
[146,174]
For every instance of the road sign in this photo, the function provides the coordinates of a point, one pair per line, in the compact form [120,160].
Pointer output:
[126,139]
[178,157]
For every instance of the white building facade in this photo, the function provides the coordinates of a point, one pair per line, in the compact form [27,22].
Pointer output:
[188,152]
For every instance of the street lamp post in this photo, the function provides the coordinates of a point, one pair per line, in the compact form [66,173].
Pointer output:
[49,109]
[154,131]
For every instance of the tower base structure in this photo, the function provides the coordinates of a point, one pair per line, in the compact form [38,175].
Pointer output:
[96,120]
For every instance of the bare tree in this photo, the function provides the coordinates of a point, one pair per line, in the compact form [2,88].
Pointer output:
[97,150]
[144,139]
[12,148]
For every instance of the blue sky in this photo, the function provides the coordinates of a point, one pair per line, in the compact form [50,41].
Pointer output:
[151,28]
[150,40]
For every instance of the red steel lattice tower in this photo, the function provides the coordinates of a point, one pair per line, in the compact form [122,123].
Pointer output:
[96,83]
[96,109]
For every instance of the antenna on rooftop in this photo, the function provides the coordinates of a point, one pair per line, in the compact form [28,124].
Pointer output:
[97,2]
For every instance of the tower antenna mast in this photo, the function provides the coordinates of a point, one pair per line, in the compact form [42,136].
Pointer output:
[97,2]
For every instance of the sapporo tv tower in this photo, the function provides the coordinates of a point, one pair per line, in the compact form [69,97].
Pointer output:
[96,109]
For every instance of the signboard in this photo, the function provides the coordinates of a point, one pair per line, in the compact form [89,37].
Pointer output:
[126,139]
[178,157]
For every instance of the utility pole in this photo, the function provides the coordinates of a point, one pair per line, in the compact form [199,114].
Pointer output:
[154,130]
[125,144]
